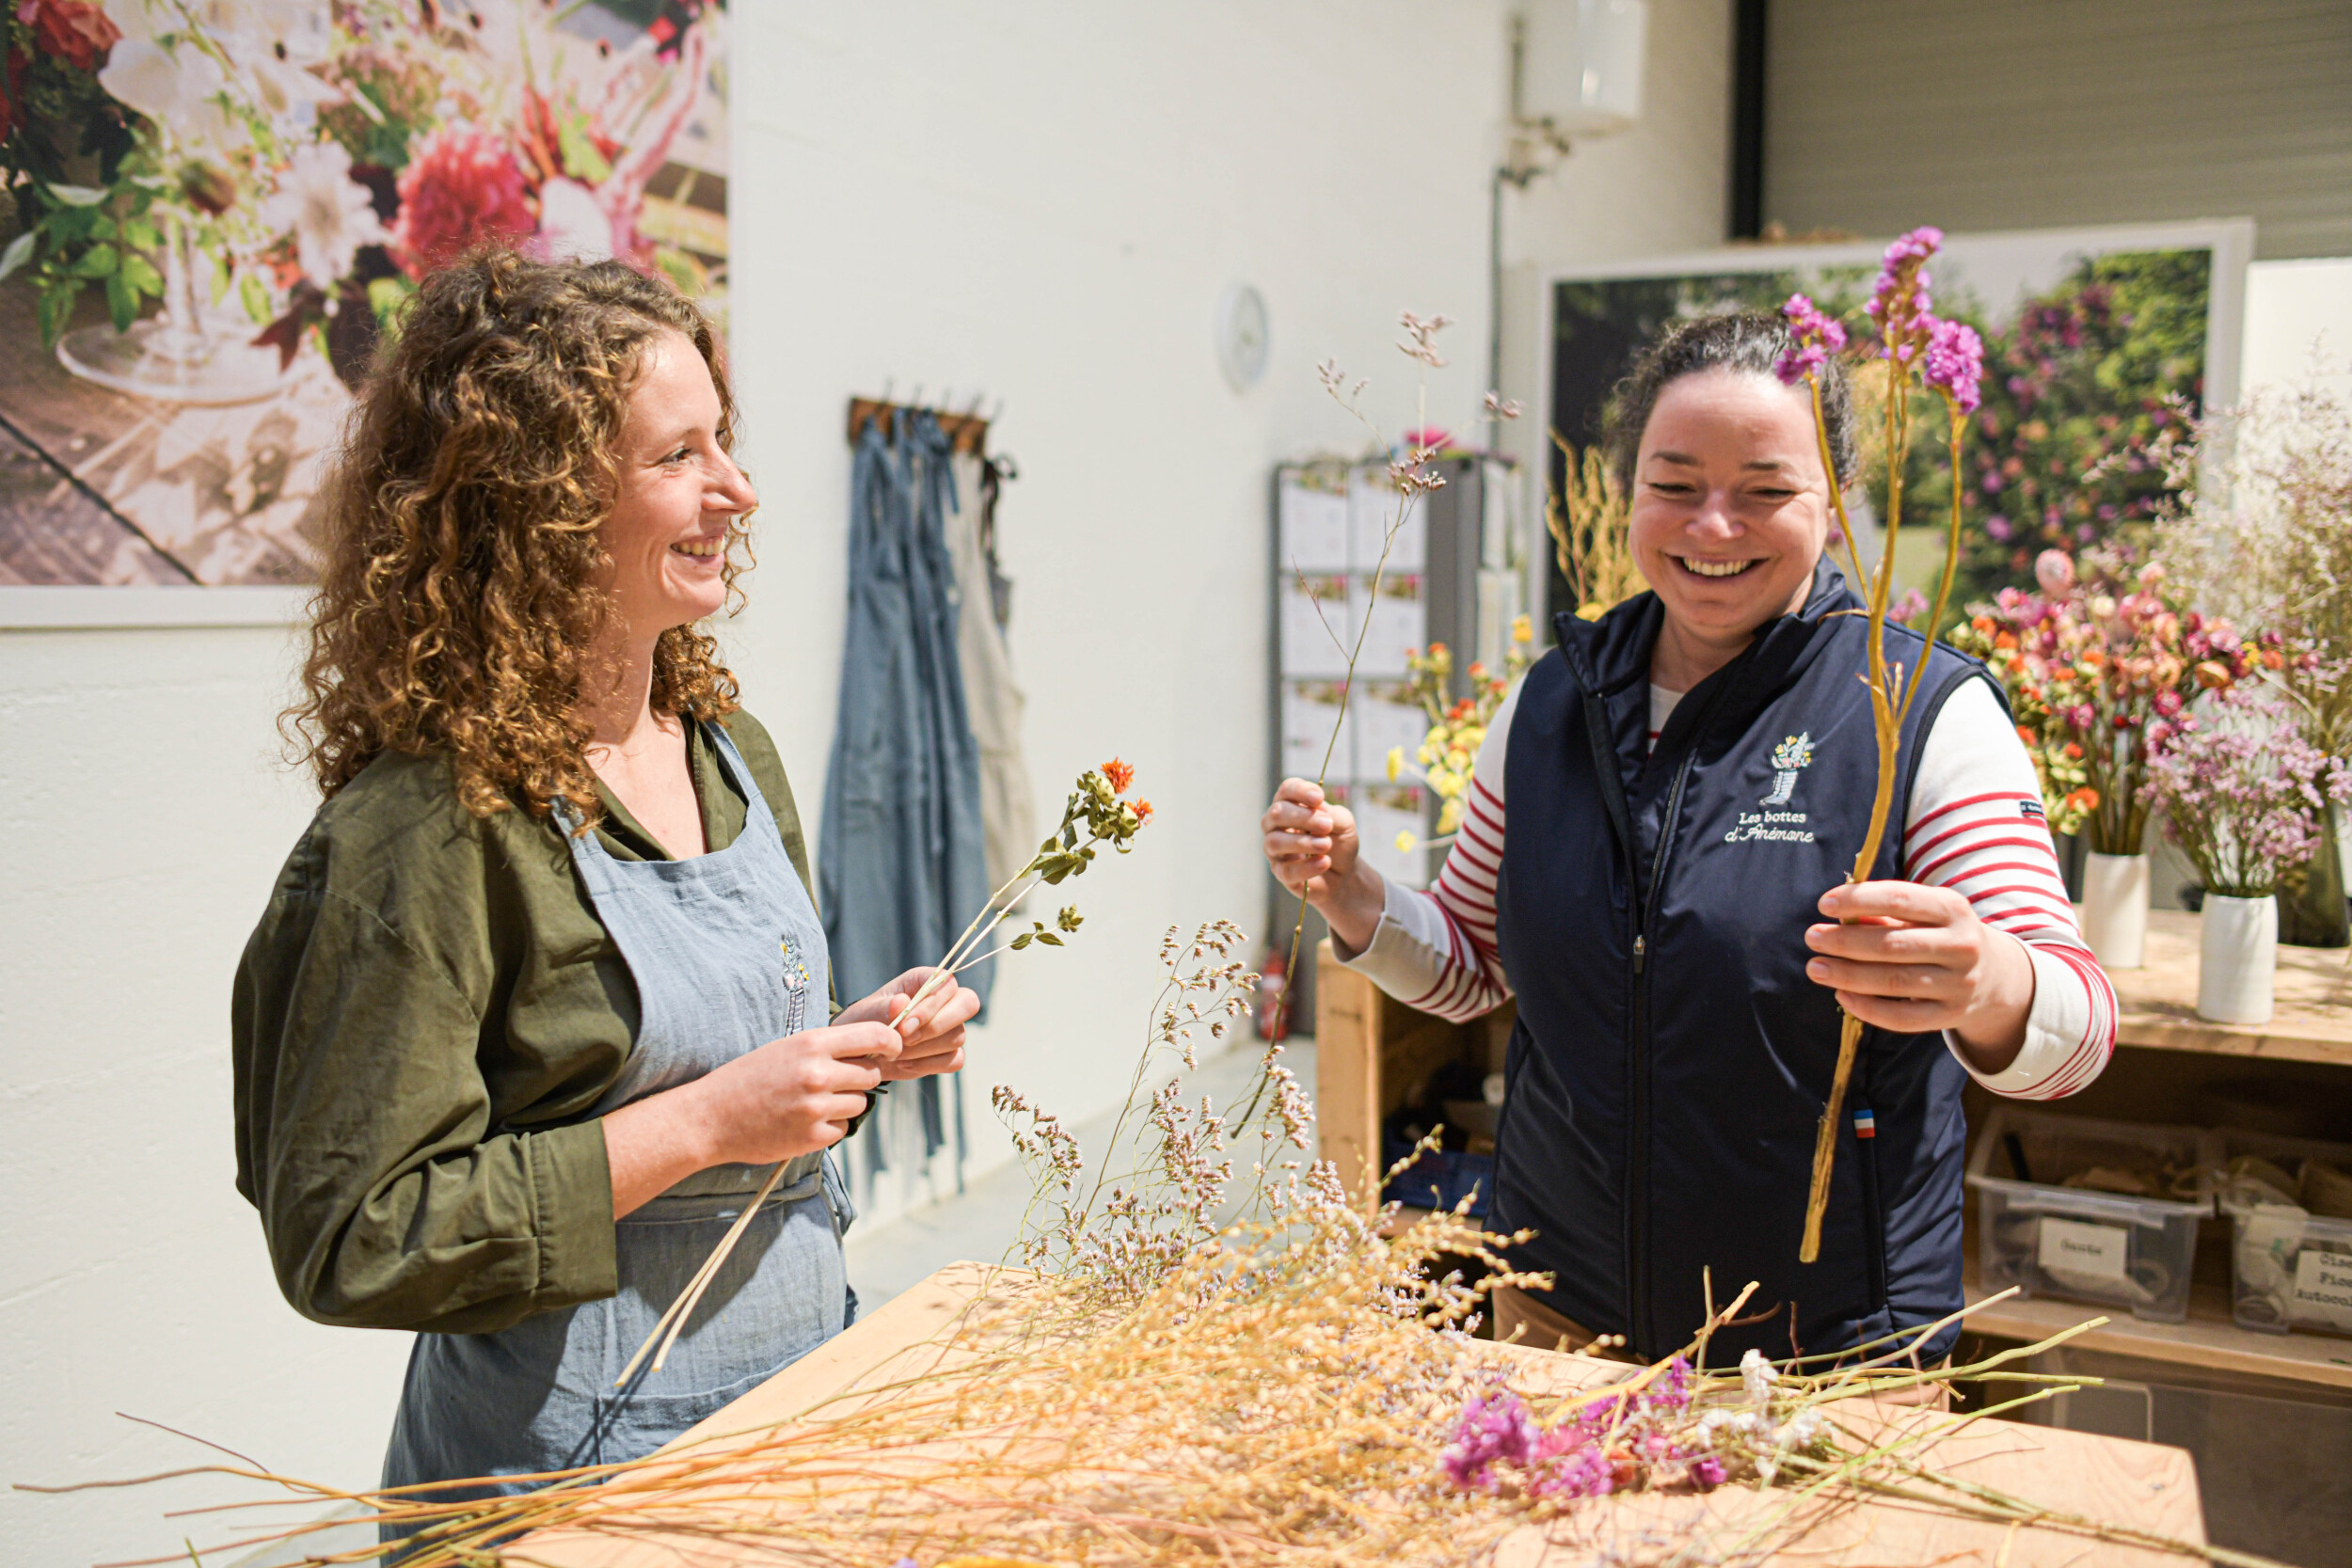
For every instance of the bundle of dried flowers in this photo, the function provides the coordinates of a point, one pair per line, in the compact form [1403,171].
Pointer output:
[1586,516]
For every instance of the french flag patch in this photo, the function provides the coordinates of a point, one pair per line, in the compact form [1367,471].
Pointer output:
[1865,1125]
[2031,810]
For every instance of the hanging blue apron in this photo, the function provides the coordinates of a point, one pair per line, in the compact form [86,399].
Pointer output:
[703,940]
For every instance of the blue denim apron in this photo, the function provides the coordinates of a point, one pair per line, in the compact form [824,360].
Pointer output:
[702,940]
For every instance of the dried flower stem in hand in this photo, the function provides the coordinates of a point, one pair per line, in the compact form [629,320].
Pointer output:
[1947,360]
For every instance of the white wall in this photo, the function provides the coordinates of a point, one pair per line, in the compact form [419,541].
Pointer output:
[1660,188]
[1042,199]
[2298,325]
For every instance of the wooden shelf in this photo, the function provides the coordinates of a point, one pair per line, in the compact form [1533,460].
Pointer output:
[2208,1338]
[2158,1003]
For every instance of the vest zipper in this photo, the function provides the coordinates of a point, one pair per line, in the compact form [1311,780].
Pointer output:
[1637,1193]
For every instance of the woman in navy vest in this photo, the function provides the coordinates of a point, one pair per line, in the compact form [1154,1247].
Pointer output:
[1689,778]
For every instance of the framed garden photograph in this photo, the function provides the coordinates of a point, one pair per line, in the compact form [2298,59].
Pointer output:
[2097,341]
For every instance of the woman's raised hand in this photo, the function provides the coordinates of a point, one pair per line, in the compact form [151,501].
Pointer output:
[1310,842]
[1917,958]
[1308,837]
[932,1033]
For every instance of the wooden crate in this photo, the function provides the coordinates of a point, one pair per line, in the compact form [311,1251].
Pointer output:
[1373,1053]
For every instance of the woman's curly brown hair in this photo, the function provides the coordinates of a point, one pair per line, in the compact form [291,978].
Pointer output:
[459,603]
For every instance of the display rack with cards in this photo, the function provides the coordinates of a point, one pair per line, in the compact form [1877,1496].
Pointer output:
[1451,575]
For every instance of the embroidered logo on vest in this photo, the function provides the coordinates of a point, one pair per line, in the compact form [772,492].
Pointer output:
[1790,755]
[1773,824]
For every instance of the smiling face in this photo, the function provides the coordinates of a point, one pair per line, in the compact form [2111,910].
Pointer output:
[1730,506]
[678,495]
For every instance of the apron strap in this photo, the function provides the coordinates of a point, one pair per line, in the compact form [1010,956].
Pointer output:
[739,772]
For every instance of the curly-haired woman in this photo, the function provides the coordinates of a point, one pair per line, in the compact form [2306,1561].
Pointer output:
[541,992]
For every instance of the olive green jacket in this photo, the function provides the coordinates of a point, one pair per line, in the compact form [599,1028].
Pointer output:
[423,1021]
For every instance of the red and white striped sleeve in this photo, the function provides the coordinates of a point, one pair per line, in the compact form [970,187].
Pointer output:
[1435,950]
[1976,825]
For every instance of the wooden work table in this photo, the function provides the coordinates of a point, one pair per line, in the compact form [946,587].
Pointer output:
[2151,1487]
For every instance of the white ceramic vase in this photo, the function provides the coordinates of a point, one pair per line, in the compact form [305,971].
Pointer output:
[2115,908]
[2237,955]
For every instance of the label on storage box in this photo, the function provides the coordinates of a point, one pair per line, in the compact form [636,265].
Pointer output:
[2323,1288]
[2083,1250]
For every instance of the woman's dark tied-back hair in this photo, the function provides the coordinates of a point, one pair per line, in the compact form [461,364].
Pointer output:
[458,604]
[1752,342]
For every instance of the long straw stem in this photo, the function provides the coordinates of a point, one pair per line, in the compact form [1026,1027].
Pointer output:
[1887,718]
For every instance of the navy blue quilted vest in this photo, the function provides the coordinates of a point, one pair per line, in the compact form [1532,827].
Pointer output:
[1671,1059]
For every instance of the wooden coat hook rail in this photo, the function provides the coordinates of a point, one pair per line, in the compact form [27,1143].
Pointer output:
[966,432]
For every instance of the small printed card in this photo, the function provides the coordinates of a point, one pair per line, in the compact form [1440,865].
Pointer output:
[2085,1251]
[2323,1288]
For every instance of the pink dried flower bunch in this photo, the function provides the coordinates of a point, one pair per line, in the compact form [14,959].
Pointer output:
[1635,1439]
[1819,336]
[2242,792]
[1948,355]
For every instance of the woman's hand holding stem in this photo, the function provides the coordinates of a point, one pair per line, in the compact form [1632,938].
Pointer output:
[791,1097]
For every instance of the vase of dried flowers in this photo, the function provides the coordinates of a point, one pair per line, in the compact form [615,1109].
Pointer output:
[2237,952]
[2243,790]
[2262,529]
[2115,908]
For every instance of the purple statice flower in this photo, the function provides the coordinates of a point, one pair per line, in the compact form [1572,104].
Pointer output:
[1672,1391]
[1819,335]
[1955,360]
[1569,1464]
[1707,1473]
[1899,300]
[1492,1427]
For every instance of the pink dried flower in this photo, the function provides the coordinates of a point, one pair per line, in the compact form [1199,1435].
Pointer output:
[2054,571]
[1492,1428]
[1817,334]
[1900,301]
[1955,362]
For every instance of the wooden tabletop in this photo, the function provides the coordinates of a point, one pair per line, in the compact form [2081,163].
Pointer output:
[2313,1019]
[2152,1487]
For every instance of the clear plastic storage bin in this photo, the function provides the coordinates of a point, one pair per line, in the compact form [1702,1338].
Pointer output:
[2088,1242]
[2290,1258]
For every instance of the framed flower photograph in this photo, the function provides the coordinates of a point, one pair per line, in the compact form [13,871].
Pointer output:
[2096,342]
[212,210]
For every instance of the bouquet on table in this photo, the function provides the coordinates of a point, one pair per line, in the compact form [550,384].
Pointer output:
[2094,664]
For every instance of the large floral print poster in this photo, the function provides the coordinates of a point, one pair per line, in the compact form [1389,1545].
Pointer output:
[213,208]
